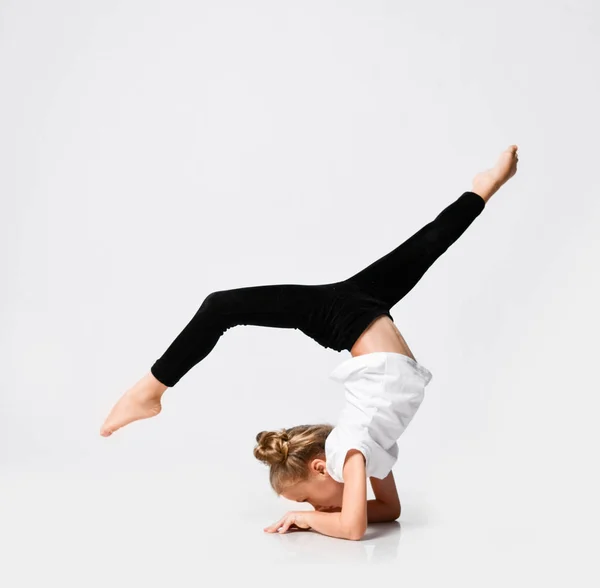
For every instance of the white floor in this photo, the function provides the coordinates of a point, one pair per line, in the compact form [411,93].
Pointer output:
[175,528]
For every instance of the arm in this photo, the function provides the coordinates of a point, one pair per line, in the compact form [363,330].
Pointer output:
[351,521]
[386,505]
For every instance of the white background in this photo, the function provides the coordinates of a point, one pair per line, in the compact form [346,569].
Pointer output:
[152,152]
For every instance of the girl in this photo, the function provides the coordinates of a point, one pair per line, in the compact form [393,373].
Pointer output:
[323,465]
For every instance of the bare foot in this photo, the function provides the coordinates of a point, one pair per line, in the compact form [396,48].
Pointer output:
[142,401]
[488,182]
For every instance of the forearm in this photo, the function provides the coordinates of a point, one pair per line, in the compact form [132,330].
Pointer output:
[330,523]
[381,512]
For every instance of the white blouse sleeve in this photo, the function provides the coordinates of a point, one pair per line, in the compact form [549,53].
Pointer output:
[337,445]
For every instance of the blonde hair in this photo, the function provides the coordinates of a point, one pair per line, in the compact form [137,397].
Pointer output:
[289,451]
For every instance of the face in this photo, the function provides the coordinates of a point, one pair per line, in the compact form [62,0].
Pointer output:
[320,489]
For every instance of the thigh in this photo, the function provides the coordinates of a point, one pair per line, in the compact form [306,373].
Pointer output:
[323,312]
[393,275]
[274,305]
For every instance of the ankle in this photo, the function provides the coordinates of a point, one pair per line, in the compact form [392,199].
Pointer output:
[485,189]
[156,387]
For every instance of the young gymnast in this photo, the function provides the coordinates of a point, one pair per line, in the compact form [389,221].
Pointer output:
[324,465]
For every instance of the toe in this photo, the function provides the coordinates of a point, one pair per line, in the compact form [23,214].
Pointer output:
[108,428]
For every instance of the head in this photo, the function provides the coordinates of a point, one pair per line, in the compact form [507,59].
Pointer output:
[296,457]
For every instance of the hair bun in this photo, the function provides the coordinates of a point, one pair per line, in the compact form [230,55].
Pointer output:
[272,446]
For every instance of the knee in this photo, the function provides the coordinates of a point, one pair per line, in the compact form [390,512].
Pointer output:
[214,311]
[215,302]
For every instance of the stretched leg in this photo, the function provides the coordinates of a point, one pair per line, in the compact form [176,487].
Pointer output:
[392,276]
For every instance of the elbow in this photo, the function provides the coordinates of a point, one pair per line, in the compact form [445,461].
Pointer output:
[395,512]
[357,536]
[357,532]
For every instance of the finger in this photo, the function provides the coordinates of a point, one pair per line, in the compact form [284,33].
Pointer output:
[289,521]
[274,526]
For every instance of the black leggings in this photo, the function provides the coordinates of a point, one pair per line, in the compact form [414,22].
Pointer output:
[335,314]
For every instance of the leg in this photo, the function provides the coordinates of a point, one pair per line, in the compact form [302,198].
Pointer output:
[392,276]
[304,307]
[288,306]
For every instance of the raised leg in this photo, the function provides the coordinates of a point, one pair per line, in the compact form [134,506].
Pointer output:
[392,276]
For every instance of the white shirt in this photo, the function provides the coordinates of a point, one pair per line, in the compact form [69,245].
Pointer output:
[383,391]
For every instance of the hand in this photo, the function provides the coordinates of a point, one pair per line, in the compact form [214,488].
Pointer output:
[293,517]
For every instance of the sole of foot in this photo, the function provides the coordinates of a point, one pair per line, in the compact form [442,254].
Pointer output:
[489,181]
[142,401]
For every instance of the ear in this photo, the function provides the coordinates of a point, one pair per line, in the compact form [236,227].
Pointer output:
[317,466]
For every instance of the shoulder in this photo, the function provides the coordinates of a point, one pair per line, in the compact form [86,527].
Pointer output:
[355,463]
[341,443]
